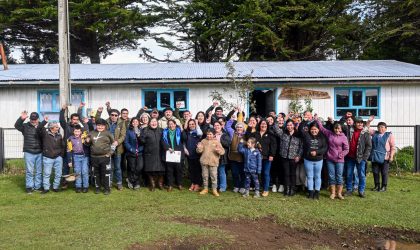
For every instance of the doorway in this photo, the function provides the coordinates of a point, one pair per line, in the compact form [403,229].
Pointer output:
[264,101]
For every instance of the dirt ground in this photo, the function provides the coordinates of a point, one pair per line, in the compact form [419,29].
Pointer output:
[265,233]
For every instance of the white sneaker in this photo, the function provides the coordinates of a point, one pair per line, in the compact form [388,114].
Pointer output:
[242,190]
[281,189]
[235,190]
[274,188]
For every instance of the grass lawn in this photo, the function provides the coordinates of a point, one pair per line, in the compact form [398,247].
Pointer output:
[70,220]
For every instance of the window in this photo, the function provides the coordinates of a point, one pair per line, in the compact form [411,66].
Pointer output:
[161,99]
[360,101]
[49,102]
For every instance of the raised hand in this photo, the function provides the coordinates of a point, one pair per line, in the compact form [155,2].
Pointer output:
[107,104]
[100,109]
[24,115]
[64,106]
[371,118]
[82,104]
[215,103]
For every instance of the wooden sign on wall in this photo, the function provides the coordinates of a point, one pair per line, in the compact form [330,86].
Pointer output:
[291,93]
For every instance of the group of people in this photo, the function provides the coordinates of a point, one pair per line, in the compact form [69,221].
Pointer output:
[283,151]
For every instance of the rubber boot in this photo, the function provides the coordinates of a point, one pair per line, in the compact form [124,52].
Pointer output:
[310,194]
[340,192]
[332,192]
[316,195]
[292,191]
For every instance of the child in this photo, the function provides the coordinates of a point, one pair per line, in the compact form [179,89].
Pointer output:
[211,150]
[252,165]
[101,151]
[78,157]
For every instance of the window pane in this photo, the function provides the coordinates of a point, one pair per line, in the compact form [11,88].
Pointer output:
[150,99]
[76,98]
[342,112]
[46,102]
[56,105]
[180,98]
[357,98]
[165,100]
[371,98]
[342,98]
[368,112]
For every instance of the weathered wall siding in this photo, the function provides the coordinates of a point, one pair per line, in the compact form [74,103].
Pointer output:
[200,100]
[399,104]
[13,101]
[119,97]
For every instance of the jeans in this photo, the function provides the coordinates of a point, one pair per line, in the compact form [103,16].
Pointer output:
[49,164]
[335,173]
[360,172]
[313,174]
[266,168]
[80,164]
[222,177]
[116,168]
[135,164]
[174,170]
[33,165]
[238,174]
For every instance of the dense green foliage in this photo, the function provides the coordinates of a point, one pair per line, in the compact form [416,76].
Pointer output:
[96,28]
[219,30]
[393,29]
[404,160]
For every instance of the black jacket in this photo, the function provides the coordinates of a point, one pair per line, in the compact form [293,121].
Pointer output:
[31,139]
[53,146]
[268,144]
[225,140]
[152,150]
[311,143]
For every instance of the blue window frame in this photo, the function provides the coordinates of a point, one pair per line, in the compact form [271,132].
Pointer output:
[49,102]
[361,101]
[162,98]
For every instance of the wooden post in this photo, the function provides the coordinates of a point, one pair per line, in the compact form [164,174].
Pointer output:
[3,57]
[63,52]
[416,148]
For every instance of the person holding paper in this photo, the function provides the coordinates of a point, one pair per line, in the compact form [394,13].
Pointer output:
[173,147]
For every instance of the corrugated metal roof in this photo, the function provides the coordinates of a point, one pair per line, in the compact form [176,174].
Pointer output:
[167,71]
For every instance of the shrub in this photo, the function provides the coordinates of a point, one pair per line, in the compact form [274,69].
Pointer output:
[404,159]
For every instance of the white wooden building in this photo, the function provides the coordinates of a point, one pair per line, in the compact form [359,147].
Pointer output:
[390,90]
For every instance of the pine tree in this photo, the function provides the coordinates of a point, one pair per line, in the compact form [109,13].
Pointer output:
[96,27]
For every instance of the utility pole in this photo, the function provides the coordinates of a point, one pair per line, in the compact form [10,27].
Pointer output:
[64,52]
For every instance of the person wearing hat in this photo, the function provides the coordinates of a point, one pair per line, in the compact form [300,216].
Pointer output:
[53,147]
[359,151]
[100,142]
[32,150]
[153,114]
[118,129]
[168,115]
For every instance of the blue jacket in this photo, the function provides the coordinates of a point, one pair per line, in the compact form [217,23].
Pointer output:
[132,143]
[252,159]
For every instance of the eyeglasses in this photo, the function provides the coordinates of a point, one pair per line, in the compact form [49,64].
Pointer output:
[114,115]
